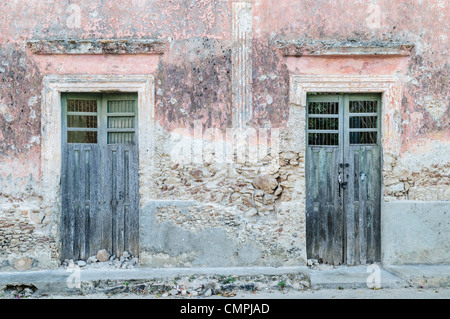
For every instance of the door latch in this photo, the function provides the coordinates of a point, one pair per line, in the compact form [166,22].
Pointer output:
[342,184]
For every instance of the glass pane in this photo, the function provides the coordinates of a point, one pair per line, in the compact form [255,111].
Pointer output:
[363,122]
[363,106]
[121,106]
[82,106]
[323,108]
[120,138]
[82,137]
[363,137]
[82,121]
[121,122]
[323,124]
[324,139]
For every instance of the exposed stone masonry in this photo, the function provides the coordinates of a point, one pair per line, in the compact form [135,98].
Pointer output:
[24,239]
[411,181]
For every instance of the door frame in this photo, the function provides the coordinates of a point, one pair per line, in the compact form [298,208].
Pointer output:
[390,88]
[340,202]
[51,130]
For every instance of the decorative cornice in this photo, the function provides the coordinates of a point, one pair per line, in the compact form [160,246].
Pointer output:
[107,46]
[347,48]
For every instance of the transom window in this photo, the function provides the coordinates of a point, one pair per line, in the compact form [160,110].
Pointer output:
[100,118]
[343,118]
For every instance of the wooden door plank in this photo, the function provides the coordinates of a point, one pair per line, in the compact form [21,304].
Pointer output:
[76,203]
[126,218]
[338,223]
[316,205]
[323,209]
[87,201]
[95,233]
[119,218]
[348,202]
[359,197]
[132,221]
[370,189]
[81,208]
[331,211]
[323,205]
[312,204]
[364,196]
[65,206]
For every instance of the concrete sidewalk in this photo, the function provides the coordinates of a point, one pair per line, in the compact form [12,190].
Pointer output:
[63,281]
[426,276]
[356,277]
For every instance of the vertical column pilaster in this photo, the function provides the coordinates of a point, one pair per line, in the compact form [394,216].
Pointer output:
[241,59]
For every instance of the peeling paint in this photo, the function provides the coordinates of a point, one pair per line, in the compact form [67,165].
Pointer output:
[4,110]
[207,72]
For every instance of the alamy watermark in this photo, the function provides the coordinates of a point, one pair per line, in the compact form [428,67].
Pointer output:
[74,19]
[374,279]
[73,281]
[232,145]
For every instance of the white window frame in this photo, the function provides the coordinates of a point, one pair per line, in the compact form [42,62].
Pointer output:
[388,85]
[51,126]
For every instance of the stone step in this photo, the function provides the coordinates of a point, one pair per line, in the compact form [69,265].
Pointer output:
[197,281]
[212,281]
[356,277]
[423,276]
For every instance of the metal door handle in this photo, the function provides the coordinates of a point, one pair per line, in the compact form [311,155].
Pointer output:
[341,183]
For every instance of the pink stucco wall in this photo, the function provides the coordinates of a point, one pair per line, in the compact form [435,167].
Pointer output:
[195,71]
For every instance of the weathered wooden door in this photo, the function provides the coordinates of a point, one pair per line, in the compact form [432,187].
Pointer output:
[99,181]
[343,178]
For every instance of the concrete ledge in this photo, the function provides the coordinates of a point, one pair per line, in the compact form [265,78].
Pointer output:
[107,46]
[247,278]
[61,281]
[356,277]
[45,281]
[347,48]
[423,276]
